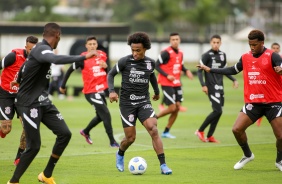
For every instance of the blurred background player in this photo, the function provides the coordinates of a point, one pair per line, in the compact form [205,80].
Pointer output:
[213,87]
[94,78]
[170,67]
[10,66]
[57,75]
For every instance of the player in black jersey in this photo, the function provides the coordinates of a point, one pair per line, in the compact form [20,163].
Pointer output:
[213,87]
[137,72]
[34,106]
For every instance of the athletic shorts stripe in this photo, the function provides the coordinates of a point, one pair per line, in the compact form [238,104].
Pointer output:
[96,101]
[169,97]
[279,113]
[29,121]
[3,114]
[128,123]
[215,99]
[152,115]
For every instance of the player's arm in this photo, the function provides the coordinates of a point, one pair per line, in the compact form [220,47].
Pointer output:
[73,67]
[203,61]
[162,59]
[113,96]
[154,83]
[276,63]
[8,60]
[187,72]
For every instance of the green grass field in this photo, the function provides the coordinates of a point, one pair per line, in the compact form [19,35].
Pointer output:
[191,160]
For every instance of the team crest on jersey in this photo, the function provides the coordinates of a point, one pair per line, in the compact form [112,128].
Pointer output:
[221,57]
[249,107]
[7,110]
[131,117]
[149,66]
[33,113]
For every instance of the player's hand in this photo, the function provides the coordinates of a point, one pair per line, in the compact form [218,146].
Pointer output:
[170,77]
[278,70]
[189,75]
[63,90]
[204,67]
[13,83]
[113,96]
[103,64]
[91,54]
[205,89]
[235,84]
[156,97]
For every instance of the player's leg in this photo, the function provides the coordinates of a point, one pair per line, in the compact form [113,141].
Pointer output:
[22,145]
[248,115]
[151,126]
[31,117]
[7,113]
[54,121]
[128,118]
[274,116]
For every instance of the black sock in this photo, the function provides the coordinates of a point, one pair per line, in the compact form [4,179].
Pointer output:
[161,158]
[50,167]
[166,130]
[279,156]
[120,152]
[19,153]
[246,149]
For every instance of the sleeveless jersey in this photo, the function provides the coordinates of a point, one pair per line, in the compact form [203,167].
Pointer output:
[94,77]
[261,83]
[11,72]
[172,67]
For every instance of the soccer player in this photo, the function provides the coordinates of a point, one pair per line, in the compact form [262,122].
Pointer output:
[170,67]
[213,87]
[10,66]
[34,106]
[262,94]
[137,71]
[94,77]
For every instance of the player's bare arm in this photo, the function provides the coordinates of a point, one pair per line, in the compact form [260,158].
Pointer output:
[204,67]
[156,97]
[189,75]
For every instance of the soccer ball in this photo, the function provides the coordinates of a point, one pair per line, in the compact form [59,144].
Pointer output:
[137,165]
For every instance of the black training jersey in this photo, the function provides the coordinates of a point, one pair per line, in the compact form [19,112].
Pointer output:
[35,74]
[136,76]
[213,81]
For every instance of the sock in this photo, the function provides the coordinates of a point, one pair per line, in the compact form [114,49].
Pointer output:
[50,167]
[120,152]
[161,158]
[166,130]
[279,156]
[19,153]
[246,149]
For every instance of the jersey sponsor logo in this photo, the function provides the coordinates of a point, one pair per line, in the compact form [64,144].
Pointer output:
[218,87]
[254,96]
[134,97]
[136,76]
[99,86]
[7,110]
[176,68]
[42,98]
[34,113]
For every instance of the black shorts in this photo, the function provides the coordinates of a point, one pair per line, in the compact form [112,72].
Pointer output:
[172,94]
[7,105]
[257,110]
[130,113]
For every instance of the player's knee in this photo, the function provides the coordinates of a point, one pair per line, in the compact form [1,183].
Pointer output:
[131,139]
[6,126]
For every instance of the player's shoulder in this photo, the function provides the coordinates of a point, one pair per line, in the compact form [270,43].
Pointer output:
[148,59]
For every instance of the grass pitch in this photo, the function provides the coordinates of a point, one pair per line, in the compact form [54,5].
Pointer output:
[191,160]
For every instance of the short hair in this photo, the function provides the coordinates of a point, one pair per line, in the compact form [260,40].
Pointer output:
[275,43]
[256,34]
[215,36]
[32,39]
[140,37]
[91,38]
[173,34]
[51,29]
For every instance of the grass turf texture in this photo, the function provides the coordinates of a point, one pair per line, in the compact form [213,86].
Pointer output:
[191,160]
